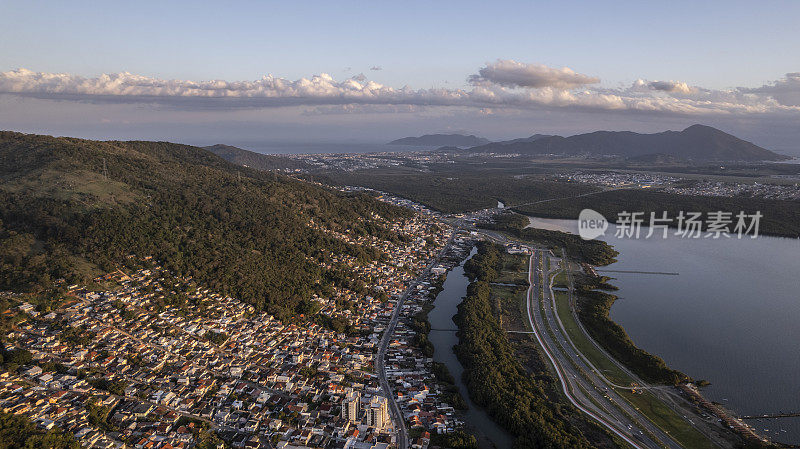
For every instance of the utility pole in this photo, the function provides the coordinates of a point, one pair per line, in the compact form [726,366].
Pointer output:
[105,170]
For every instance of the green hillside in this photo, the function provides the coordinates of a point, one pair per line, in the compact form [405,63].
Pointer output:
[237,230]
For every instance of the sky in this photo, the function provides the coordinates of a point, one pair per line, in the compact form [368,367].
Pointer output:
[203,72]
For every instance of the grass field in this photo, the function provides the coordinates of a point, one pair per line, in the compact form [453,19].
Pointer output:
[560,280]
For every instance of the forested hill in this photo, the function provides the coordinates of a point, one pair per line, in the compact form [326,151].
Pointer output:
[71,208]
[255,160]
[438,140]
[697,142]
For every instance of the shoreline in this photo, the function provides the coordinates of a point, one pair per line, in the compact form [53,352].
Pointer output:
[690,389]
[687,389]
[483,440]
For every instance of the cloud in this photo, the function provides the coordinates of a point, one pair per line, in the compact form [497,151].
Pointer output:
[503,86]
[785,91]
[343,109]
[376,67]
[510,73]
[666,86]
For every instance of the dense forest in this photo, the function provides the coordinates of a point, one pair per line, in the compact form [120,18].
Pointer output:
[70,208]
[460,193]
[495,378]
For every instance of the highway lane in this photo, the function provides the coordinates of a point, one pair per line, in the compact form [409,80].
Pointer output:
[582,386]
[586,392]
[584,383]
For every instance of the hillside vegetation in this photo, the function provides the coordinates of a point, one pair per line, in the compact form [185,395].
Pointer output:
[255,160]
[17,432]
[237,230]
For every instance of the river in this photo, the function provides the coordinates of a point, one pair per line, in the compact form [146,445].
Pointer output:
[441,317]
[731,316]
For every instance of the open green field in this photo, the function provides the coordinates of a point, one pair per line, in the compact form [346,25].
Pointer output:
[560,280]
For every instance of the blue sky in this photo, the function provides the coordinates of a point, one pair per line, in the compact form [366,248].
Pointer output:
[715,45]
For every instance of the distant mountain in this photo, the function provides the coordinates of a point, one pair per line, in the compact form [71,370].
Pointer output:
[440,140]
[532,138]
[697,142]
[255,160]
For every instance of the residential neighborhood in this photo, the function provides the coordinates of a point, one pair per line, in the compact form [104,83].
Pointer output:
[157,361]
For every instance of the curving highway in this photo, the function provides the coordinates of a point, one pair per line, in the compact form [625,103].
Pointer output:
[583,388]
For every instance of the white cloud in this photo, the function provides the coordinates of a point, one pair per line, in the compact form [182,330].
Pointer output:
[376,67]
[505,85]
[785,91]
[510,73]
[675,87]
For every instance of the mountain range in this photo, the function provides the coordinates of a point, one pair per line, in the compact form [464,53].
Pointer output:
[440,140]
[697,142]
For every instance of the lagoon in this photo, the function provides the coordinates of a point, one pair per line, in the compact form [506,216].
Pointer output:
[731,315]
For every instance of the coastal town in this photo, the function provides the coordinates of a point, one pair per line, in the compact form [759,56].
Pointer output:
[147,359]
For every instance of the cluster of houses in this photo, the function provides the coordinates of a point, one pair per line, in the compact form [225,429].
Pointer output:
[157,361]
[409,369]
[731,189]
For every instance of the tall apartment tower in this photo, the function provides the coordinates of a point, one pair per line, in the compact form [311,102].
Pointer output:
[378,412]
[350,406]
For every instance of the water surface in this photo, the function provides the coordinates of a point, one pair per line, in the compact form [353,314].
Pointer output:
[441,317]
[731,316]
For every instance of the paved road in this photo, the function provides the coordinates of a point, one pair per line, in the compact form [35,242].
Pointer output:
[582,387]
[380,366]
[383,346]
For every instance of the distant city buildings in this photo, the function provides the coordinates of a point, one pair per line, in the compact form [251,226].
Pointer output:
[687,186]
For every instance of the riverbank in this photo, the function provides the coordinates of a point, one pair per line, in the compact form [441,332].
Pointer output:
[442,335]
[523,402]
